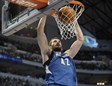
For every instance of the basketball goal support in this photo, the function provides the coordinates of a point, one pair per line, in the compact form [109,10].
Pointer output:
[28,17]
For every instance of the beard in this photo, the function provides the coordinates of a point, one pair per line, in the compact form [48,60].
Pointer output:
[58,49]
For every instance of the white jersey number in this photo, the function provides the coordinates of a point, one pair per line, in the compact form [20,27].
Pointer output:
[65,61]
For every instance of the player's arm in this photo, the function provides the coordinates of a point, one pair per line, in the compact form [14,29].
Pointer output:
[42,39]
[78,43]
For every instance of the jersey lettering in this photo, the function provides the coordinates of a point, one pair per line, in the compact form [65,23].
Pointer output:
[65,61]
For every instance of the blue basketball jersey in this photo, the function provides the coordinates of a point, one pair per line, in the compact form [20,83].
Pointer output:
[61,70]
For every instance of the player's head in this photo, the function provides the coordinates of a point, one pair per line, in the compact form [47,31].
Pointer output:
[55,44]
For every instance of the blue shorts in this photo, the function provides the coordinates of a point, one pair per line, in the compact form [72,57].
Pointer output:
[54,84]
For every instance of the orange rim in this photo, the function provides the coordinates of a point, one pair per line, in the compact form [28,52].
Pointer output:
[53,13]
[76,2]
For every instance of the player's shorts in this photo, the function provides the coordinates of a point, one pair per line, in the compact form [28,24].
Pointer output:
[54,84]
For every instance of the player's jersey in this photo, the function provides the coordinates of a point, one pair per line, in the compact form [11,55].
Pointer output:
[61,70]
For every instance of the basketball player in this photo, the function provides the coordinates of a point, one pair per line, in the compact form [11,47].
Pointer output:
[60,68]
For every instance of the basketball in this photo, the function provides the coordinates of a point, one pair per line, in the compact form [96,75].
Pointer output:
[66,14]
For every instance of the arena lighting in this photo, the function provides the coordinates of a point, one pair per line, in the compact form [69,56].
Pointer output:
[90,42]
[100,83]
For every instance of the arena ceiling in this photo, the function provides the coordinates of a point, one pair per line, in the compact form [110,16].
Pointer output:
[97,18]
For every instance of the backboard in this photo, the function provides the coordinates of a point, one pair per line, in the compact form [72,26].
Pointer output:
[28,16]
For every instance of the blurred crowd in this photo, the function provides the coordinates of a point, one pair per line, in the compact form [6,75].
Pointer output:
[4,41]
[93,65]
[17,50]
[84,62]
[30,52]
[9,81]
[21,54]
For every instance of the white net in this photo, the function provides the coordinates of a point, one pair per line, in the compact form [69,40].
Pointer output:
[66,23]
[66,30]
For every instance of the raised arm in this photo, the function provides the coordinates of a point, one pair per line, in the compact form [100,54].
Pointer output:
[42,39]
[78,43]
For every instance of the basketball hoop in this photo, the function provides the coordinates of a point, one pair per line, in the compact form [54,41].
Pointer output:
[67,30]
